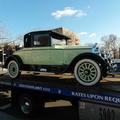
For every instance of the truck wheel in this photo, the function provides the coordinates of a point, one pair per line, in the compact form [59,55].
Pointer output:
[30,105]
[13,69]
[88,72]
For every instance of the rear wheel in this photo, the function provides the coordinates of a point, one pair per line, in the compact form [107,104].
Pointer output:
[30,105]
[88,72]
[13,69]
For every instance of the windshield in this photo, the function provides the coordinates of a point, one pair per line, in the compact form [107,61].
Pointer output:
[58,41]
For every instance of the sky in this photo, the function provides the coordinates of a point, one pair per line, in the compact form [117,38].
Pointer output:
[91,19]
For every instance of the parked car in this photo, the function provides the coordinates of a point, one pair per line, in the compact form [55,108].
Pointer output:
[47,51]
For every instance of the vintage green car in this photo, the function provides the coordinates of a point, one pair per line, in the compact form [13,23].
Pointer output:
[47,51]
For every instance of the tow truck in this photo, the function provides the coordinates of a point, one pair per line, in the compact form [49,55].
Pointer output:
[30,92]
[47,52]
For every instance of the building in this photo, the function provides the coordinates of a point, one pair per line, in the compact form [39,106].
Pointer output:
[75,38]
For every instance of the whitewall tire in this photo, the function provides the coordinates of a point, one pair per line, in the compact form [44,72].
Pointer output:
[87,72]
[13,69]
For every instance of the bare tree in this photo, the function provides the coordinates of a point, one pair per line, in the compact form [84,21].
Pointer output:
[5,35]
[19,39]
[110,44]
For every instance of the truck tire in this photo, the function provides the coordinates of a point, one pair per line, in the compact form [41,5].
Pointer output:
[87,72]
[30,105]
[13,69]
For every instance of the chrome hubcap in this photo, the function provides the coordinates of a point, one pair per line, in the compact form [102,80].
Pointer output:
[26,106]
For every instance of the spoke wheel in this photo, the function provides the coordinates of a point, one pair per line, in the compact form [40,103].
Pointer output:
[13,69]
[87,72]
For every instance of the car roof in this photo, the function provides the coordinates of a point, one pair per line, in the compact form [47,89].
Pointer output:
[54,34]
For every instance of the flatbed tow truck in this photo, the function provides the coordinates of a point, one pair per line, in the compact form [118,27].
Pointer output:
[30,92]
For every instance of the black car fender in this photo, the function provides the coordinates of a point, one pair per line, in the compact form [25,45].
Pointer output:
[92,56]
[16,58]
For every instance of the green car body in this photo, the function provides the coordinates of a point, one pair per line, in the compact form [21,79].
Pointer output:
[47,51]
[53,55]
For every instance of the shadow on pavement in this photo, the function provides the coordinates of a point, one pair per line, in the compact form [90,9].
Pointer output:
[52,113]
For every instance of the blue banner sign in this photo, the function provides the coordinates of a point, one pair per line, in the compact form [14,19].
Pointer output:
[91,96]
[67,92]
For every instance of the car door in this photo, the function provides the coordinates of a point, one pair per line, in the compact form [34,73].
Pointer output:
[57,55]
[40,51]
[40,56]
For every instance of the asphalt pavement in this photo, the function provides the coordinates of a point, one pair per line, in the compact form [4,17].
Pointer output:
[5,116]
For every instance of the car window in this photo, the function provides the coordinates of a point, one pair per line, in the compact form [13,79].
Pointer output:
[27,40]
[58,42]
[40,40]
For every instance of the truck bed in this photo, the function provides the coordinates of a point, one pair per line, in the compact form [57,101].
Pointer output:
[106,91]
